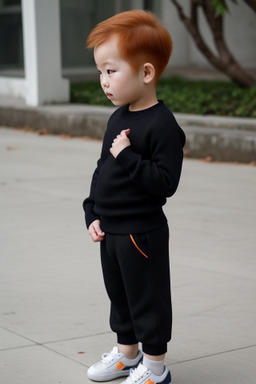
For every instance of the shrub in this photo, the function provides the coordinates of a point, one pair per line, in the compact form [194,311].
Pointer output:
[222,98]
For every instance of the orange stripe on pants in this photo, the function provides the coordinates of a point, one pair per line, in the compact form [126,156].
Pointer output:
[137,246]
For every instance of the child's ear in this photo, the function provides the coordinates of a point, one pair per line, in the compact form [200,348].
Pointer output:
[149,73]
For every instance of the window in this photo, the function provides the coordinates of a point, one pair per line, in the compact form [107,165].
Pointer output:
[11,38]
[78,17]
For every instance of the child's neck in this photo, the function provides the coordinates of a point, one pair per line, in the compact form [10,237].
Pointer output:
[145,103]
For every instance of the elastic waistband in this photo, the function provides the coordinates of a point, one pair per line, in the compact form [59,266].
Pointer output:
[133,224]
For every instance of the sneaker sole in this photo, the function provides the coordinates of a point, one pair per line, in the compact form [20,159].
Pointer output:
[110,376]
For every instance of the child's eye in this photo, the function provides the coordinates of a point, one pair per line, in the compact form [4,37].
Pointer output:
[110,71]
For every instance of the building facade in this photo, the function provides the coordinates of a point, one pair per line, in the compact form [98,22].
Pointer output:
[43,42]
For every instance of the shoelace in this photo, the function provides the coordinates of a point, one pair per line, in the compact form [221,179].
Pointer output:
[107,358]
[136,374]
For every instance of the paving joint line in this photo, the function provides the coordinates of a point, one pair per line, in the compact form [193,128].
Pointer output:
[214,354]
[46,343]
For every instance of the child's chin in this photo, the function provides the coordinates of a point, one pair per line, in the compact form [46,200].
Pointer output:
[117,103]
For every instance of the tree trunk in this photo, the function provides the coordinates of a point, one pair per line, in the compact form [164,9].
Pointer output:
[224,61]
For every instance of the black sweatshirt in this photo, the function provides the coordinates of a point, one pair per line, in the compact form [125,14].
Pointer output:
[127,193]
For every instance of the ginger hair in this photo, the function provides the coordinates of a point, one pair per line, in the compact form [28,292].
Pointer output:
[141,39]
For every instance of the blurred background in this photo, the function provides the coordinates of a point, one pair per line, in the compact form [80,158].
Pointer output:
[78,17]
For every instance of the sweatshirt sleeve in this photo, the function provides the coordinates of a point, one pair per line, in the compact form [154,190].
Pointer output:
[160,174]
[89,202]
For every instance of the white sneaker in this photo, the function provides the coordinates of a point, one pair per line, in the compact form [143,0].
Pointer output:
[112,365]
[142,375]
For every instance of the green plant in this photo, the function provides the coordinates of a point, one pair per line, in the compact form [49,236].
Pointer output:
[222,98]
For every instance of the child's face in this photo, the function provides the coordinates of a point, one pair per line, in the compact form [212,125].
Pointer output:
[119,82]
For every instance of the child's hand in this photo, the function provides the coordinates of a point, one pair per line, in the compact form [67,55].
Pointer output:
[120,142]
[95,231]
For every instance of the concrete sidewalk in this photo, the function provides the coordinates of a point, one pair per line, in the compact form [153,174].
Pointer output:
[218,138]
[53,306]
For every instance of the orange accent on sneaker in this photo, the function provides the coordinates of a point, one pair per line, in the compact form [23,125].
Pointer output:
[149,382]
[144,254]
[120,365]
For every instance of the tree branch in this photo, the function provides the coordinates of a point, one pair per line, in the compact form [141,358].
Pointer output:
[194,31]
[251,3]
[225,62]
[215,23]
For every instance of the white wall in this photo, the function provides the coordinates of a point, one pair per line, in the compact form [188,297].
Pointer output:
[240,29]
[181,47]
[43,81]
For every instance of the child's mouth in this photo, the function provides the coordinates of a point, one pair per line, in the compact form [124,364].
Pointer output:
[109,95]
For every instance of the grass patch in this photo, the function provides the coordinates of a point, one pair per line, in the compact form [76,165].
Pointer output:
[221,98]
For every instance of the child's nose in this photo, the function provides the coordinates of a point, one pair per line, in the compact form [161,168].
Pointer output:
[104,81]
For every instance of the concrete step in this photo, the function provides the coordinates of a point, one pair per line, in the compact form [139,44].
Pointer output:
[213,137]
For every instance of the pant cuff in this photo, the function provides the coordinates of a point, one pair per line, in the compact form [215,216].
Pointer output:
[154,350]
[126,339]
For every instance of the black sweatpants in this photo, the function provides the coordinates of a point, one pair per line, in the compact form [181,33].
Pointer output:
[137,278]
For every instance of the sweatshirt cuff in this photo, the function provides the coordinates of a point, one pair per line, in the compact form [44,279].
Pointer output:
[89,220]
[90,216]
[127,156]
